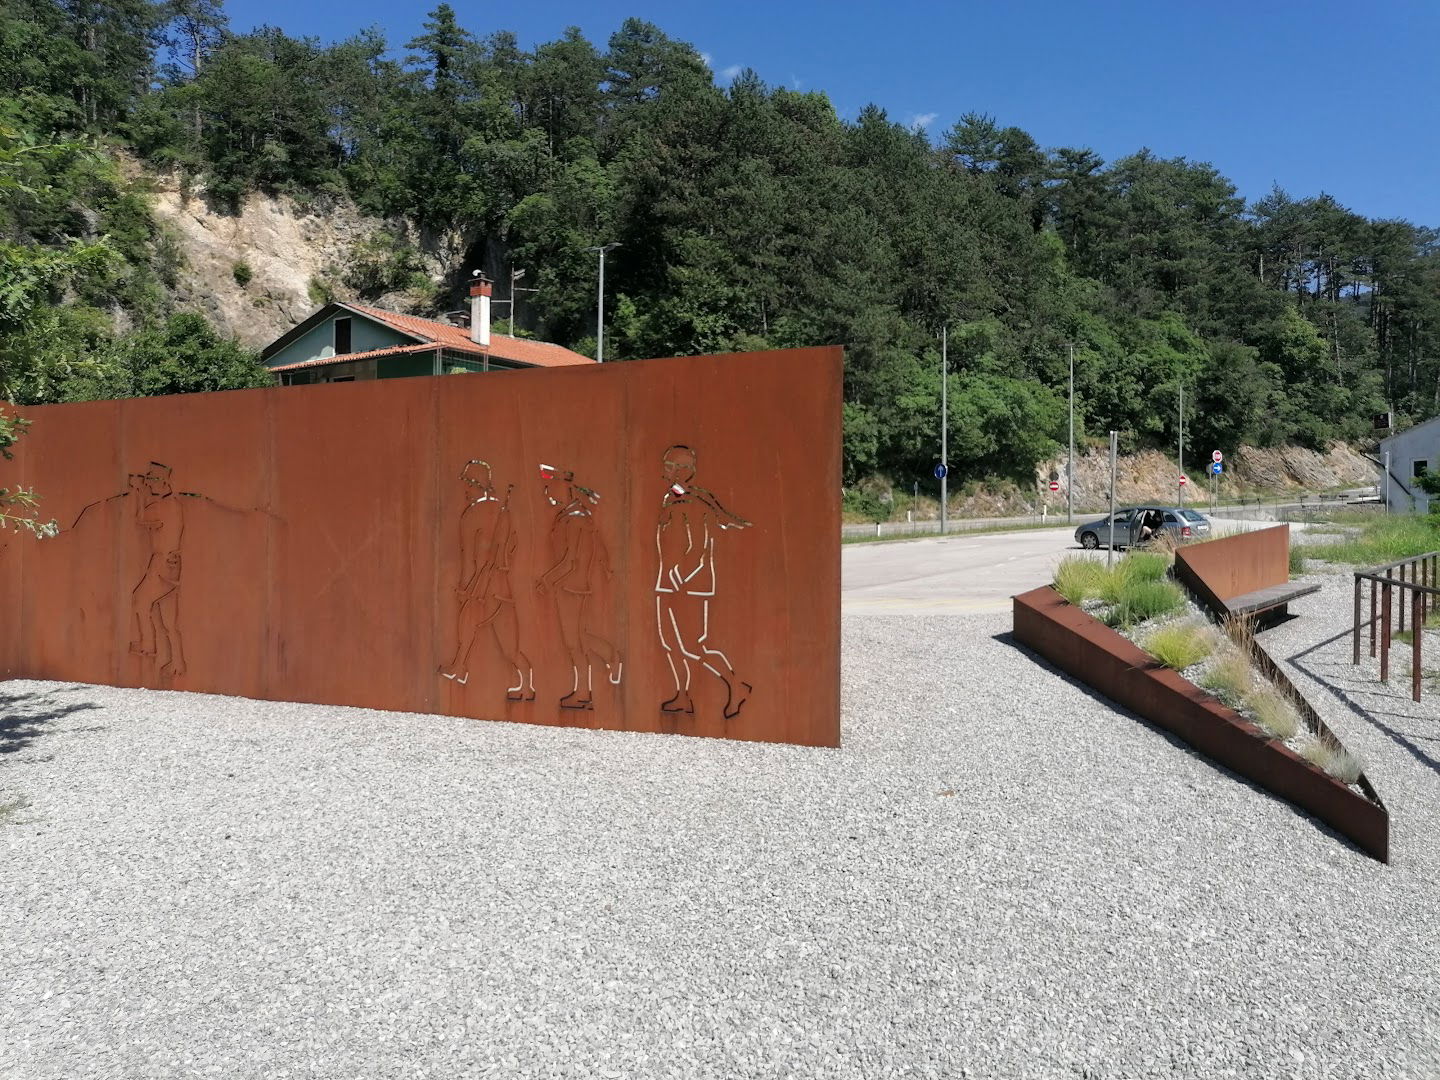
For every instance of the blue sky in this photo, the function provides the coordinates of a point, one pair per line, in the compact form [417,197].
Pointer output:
[1324,96]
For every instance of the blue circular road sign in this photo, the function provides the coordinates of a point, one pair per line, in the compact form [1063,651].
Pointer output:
[940,472]
[1217,468]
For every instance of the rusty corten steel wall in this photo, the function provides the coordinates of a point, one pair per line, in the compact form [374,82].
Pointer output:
[1235,565]
[520,546]
[1086,649]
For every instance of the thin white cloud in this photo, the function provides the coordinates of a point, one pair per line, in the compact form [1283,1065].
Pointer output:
[730,72]
[795,82]
[923,120]
[708,59]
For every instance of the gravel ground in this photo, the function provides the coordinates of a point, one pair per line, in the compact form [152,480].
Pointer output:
[999,875]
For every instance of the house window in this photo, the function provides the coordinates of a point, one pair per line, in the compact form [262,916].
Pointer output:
[343,378]
[342,336]
[1419,467]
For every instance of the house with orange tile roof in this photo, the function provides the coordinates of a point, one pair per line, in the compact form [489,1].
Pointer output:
[349,342]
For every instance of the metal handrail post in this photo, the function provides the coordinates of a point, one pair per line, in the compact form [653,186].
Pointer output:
[1385,595]
[1374,614]
[1417,637]
[1359,585]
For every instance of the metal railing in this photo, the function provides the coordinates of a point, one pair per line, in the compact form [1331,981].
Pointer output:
[1419,576]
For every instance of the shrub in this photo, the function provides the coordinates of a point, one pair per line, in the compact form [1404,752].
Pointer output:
[865,504]
[1297,560]
[1077,578]
[320,291]
[1181,644]
[383,262]
[242,273]
[1274,712]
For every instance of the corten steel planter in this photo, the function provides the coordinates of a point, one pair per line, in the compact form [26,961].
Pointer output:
[650,546]
[1091,652]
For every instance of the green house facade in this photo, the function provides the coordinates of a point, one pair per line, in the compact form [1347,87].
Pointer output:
[352,342]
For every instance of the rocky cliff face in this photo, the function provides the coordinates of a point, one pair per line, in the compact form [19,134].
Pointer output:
[1148,476]
[1151,475]
[296,259]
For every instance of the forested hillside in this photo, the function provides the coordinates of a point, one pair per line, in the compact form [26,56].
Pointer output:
[750,216]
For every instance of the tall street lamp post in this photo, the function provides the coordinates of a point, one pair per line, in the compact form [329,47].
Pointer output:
[1070,469]
[600,302]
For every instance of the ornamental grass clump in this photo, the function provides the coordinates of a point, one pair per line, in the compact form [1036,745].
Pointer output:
[1318,752]
[1274,712]
[1078,579]
[1181,643]
[1115,581]
[1346,767]
[1147,565]
[1229,675]
[1335,760]
[1142,600]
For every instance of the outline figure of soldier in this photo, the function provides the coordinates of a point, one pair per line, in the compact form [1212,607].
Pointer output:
[487,545]
[690,518]
[581,565]
[155,600]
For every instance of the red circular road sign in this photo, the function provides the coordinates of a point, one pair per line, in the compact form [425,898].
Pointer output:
[1054,485]
[1217,456]
[1184,479]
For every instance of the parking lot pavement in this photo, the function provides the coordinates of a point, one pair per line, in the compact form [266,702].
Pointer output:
[964,573]
[955,574]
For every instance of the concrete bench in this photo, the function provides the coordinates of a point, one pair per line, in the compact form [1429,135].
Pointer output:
[1243,575]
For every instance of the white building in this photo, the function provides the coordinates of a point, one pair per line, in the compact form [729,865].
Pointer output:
[1411,453]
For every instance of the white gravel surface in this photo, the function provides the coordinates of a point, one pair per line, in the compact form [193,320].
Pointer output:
[998,876]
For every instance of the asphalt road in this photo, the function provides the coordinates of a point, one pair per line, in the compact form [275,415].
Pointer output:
[964,573]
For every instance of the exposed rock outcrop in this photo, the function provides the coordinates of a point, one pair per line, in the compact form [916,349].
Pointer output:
[292,258]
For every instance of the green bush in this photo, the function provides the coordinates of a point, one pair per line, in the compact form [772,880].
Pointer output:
[320,291]
[382,263]
[864,504]
[242,273]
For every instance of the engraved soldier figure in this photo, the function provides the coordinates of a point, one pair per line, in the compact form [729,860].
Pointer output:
[487,545]
[581,567]
[690,520]
[155,601]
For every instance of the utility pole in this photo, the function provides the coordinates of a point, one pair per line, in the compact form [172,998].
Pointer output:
[600,302]
[944,426]
[515,275]
[1070,469]
[1181,448]
[1110,550]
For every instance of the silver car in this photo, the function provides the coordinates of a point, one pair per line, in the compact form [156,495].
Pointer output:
[1136,525]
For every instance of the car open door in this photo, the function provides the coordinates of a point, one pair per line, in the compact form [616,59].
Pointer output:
[1137,522]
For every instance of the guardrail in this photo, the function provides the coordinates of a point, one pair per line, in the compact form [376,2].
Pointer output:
[1420,577]
[1276,508]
